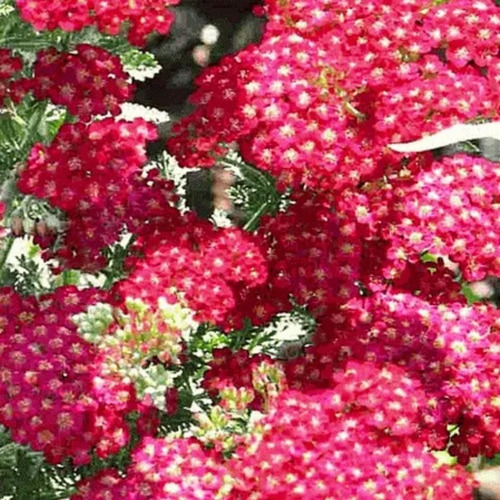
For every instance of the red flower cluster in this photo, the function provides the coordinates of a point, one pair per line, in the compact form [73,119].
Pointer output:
[87,165]
[452,349]
[208,266]
[355,441]
[447,207]
[238,369]
[452,210]
[161,468]
[151,206]
[53,394]
[364,76]
[9,66]
[470,32]
[313,256]
[141,17]
[89,82]
[339,442]
[88,171]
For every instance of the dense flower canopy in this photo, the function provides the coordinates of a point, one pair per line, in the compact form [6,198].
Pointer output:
[139,345]
[333,82]
[142,16]
[90,82]
[55,396]
[343,443]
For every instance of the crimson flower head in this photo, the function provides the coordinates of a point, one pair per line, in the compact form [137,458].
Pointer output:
[89,82]
[141,16]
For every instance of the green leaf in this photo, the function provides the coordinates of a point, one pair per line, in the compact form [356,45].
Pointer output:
[469,294]
[254,193]
[6,8]
[36,125]
[138,64]
[24,474]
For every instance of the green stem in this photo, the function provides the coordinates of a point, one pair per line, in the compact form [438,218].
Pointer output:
[66,277]
[251,224]
[12,112]
[5,255]
[117,269]
[38,115]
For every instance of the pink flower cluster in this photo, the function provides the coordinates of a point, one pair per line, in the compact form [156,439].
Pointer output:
[448,207]
[54,396]
[465,31]
[141,17]
[88,171]
[333,82]
[356,441]
[89,82]
[353,441]
[451,348]
[207,266]
[470,32]
[451,209]
[161,468]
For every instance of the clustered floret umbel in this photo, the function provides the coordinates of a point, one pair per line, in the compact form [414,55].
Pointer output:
[141,17]
[397,357]
[55,395]
[340,441]
[161,468]
[88,171]
[89,81]
[332,83]
[205,266]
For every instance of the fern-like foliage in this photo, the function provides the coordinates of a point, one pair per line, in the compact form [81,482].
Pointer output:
[24,475]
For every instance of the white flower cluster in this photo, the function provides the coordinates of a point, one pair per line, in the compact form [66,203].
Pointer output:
[149,378]
[94,322]
[142,72]
[131,111]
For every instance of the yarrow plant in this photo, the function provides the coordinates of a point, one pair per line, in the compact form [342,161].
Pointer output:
[142,17]
[90,82]
[141,355]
